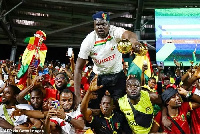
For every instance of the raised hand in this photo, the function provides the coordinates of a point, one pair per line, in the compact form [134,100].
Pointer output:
[51,113]
[176,63]
[37,81]
[197,72]
[31,69]
[182,91]
[167,123]
[93,84]
[61,113]
[17,112]
[145,66]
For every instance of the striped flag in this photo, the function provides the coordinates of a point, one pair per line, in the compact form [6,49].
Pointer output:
[136,67]
[29,56]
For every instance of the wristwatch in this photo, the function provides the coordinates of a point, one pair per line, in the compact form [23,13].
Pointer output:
[68,119]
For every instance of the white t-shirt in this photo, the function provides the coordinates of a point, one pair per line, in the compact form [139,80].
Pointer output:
[197,92]
[1,83]
[67,128]
[18,119]
[104,53]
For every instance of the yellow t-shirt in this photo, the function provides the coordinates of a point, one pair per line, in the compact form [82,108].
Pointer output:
[144,106]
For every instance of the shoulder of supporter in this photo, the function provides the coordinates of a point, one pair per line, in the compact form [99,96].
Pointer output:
[87,45]
[89,39]
[197,91]
[20,119]
[75,114]
[116,31]
[1,83]
[24,106]
[1,110]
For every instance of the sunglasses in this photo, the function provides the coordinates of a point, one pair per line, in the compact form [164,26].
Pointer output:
[59,78]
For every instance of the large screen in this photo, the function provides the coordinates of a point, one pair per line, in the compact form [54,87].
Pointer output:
[177,35]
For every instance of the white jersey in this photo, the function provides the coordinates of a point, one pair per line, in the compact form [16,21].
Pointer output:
[104,53]
[197,92]
[67,128]
[18,119]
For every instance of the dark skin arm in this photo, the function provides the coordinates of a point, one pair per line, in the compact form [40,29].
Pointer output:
[185,77]
[36,123]
[20,96]
[144,68]
[31,69]
[154,128]
[49,126]
[30,113]
[77,123]
[77,77]
[87,113]
[5,125]
[159,73]
[165,121]
[1,76]
[188,83]
[72,62]
[142,77]
[69,73]
[156,99]
[132,37]
[194,97]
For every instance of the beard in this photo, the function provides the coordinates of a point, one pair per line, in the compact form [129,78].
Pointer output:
[61,87]
[133,97]
[102,35]
[68,110]
[5,102]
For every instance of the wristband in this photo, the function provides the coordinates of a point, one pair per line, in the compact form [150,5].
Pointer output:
[189,94]
[33,128]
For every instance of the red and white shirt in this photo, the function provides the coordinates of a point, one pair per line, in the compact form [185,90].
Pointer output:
[67,128]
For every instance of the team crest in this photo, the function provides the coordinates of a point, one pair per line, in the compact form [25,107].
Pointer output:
[148,109]
[104,16]
[183,117]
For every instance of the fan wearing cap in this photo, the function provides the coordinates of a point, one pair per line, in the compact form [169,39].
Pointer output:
[101,46]
[177,110]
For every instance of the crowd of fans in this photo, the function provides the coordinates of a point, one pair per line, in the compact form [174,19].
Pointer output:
[48,103]
[103,99]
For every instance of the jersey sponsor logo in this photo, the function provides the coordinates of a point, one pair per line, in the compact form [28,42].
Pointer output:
[133,123]
[109,58]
